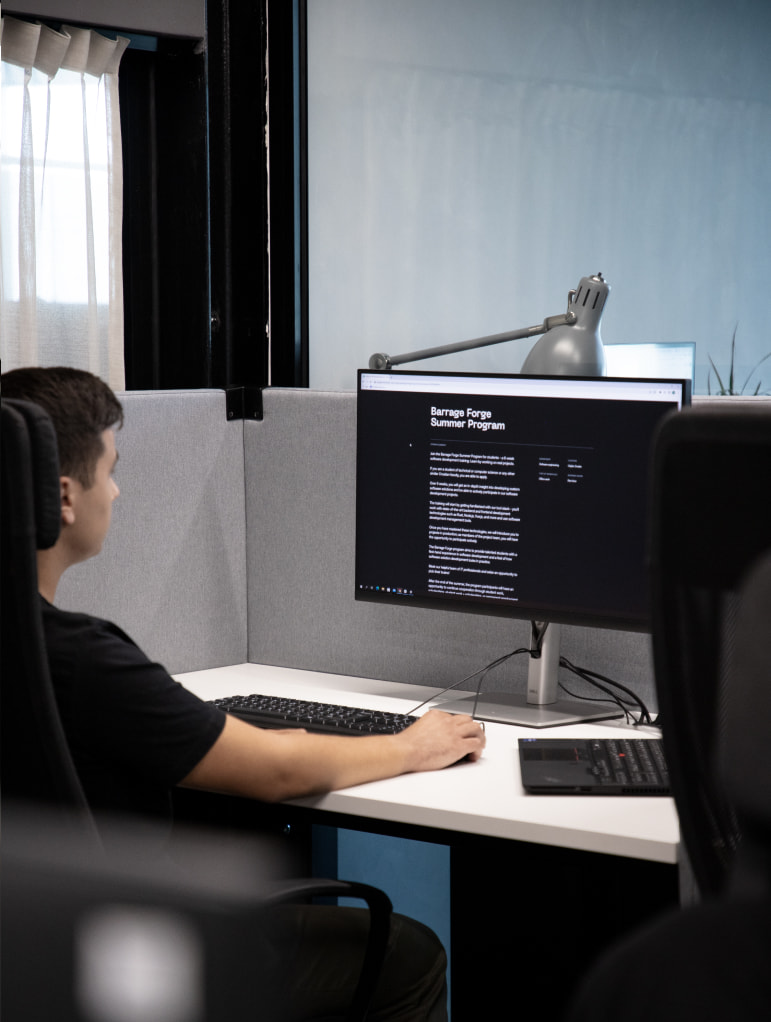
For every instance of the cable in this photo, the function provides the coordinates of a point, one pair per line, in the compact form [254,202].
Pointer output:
[482,671]
[611,698]
[486,670]
[594,678]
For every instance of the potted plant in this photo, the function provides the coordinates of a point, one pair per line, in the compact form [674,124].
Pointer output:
[728,386]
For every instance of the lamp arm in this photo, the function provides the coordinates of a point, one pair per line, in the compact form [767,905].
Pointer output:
[382,361]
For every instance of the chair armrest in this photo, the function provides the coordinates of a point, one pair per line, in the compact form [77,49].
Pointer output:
[380,909]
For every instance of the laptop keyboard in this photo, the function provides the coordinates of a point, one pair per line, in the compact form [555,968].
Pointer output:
[279,712]
[628,761]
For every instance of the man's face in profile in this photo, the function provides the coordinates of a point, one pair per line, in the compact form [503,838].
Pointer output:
[92,506]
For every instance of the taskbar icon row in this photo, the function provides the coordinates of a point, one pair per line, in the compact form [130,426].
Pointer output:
[393,590]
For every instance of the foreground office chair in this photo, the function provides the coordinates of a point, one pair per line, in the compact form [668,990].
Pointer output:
[710,961]
[745,765]
[36,762]
[133,936]
[711,519]
[37,768]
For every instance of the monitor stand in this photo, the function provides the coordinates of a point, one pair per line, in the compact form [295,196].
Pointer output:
[540,707]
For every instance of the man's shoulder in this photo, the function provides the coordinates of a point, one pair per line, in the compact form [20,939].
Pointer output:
[94,658]
[75,629]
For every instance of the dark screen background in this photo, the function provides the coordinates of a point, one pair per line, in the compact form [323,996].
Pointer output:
[580,553]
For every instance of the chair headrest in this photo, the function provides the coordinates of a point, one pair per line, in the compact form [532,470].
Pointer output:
[745,757]
[705,456]
[30,452]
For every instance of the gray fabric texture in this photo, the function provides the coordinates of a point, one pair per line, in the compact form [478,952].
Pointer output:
[172,571]
[193,524]
[300,486]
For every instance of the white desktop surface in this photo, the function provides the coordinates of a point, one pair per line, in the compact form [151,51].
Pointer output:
[485,797]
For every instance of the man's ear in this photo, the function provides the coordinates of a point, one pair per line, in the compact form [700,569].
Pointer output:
[67,489]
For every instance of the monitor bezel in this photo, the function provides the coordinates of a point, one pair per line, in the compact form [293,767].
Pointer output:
[466,605]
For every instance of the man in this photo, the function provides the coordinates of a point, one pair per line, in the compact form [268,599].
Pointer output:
[135,733]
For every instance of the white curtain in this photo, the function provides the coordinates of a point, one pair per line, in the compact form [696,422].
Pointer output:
[61,287]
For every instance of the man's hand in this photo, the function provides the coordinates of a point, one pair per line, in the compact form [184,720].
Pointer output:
[438,739]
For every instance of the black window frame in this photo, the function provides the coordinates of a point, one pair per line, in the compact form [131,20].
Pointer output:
[215,226]
[221,302]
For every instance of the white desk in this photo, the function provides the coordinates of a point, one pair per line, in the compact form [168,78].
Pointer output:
[484,798]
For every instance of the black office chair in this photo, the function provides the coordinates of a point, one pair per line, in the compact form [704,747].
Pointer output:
[745,765]
[711,519]
[711,589]
[37,768]
[36,762]
[70,912]
[710,961]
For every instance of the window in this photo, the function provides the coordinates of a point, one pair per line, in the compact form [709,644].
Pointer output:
[61,199]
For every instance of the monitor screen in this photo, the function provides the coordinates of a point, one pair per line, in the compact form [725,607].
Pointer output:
[516,495]
[651,360]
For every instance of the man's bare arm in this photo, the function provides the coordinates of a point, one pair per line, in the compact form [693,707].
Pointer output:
[276,765]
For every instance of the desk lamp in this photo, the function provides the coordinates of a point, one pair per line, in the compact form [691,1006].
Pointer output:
[570,346]
[574,349]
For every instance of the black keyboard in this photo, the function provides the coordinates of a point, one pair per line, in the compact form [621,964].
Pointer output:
[593,766]
[279,712]
[636,761]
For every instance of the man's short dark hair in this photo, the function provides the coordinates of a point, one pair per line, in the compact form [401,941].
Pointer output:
[81,407]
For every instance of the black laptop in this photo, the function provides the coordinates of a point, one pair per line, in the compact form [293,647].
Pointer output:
[593,766]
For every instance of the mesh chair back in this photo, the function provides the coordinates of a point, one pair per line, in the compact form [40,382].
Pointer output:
[711,518]
[745,763]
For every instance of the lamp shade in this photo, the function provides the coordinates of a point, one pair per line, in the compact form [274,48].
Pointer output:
[574,350]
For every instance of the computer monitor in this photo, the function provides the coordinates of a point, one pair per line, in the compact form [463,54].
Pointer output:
[521,496]
[654,359]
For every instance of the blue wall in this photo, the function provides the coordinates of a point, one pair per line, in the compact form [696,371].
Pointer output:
[469,162]
[414,874]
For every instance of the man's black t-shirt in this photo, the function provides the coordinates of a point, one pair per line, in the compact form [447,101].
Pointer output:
[133,731]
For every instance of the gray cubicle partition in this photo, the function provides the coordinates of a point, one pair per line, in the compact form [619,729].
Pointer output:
[172,572]
[234,541]
[300,489]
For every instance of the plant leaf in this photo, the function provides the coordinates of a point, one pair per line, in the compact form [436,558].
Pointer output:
[721,387]
[754,369]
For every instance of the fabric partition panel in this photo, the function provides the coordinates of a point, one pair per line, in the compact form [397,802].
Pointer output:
[172,572]
[300,494]
[234,541]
